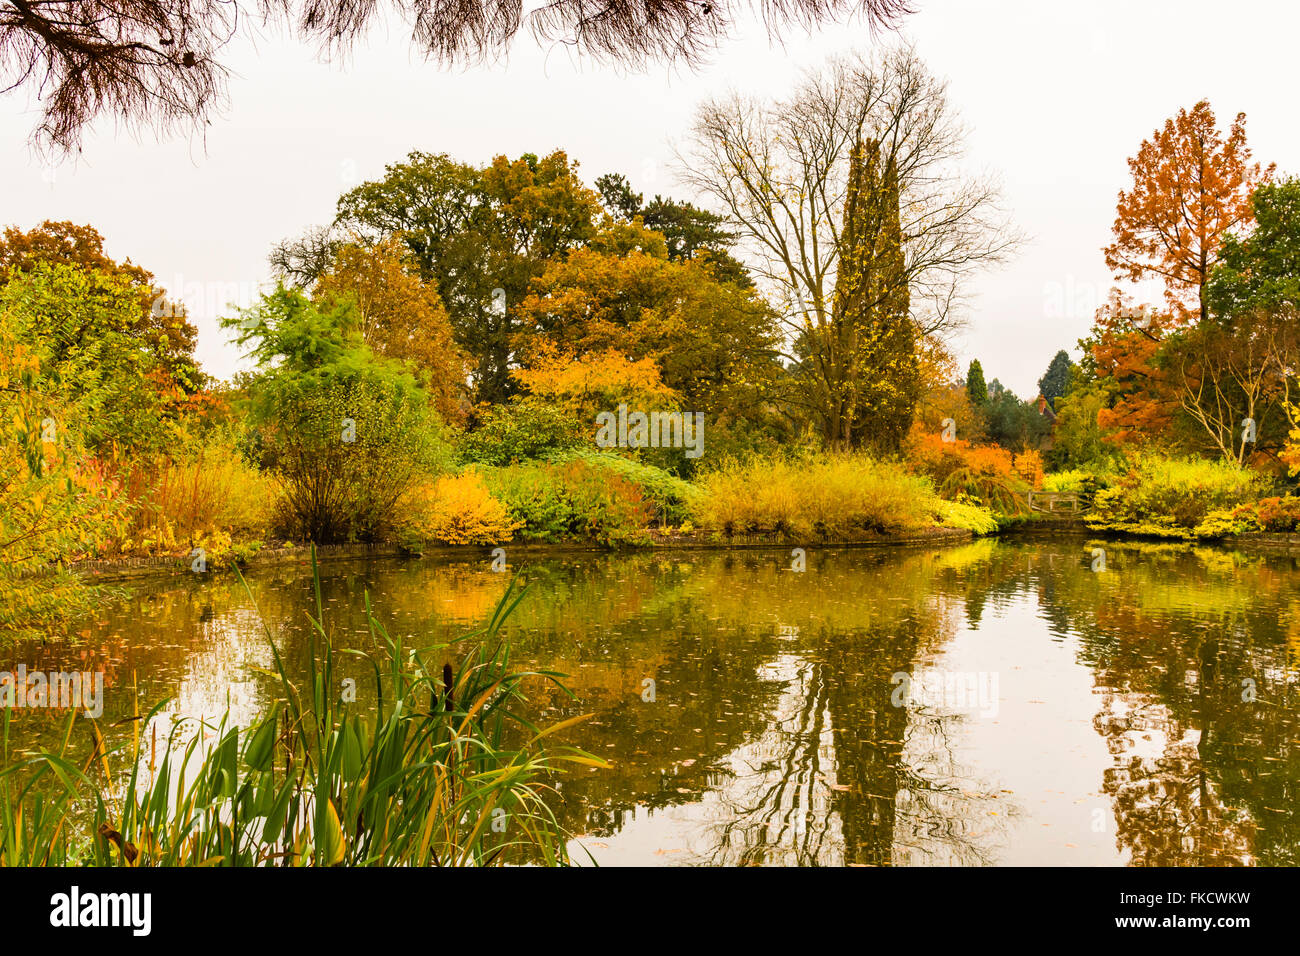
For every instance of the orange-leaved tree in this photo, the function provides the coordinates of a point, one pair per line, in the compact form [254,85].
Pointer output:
[1124,346]
[1191,185]
[585,385]
[401,318]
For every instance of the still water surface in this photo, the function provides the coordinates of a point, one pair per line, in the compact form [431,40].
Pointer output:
[993,703]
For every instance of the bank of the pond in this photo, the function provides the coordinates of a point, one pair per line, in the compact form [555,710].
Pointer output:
[131,568]
[107,570]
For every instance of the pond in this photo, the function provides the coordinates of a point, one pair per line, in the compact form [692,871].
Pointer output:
[1000,702]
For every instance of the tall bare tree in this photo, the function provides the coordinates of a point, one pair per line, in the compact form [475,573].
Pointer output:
[155,62]
[780,170]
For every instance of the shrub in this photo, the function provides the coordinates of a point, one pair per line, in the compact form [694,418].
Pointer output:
[1278,514]
[457,509]
[349,433]
[827,496]
[669,495]
[207,490]
[518,432]
[1222,522]
[572,500]
[1170,497]
[607,508]
[535,498]
[1066,481]
[967,516]
[347,453]
[984,473]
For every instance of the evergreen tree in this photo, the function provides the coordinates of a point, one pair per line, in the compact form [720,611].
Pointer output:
[977,389]
[873,310]
[1056,380]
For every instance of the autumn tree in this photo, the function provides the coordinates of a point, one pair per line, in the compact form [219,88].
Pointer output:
[479,234]
[159,323]
[944,395]
[779,170]
[1191,186]
[157,62]
[1123,349]
[581,386]
[874,335]
[713,342]
[691,232]
[400,317]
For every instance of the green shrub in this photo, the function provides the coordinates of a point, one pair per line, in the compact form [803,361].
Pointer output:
[1171,497]
[572,501]
[348,432]
[518,432]
[670,496]
[534,496]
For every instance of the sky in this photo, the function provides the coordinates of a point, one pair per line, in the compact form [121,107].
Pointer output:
[1056,96]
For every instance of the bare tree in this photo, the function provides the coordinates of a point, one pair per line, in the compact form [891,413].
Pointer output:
[154,62]
[779,171]
[1230,379]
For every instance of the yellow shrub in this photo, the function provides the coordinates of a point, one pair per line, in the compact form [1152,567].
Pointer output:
[828,496]
[456,509]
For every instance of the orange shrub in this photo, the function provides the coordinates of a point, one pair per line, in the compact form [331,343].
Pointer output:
[457,509]
[986,473]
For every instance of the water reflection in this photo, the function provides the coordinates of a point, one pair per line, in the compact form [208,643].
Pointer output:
[1144,715]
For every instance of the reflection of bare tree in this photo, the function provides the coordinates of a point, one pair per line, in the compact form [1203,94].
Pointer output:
[942,819]
[842,776]
[777,798]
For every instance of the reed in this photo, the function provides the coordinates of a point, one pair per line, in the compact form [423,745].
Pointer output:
[446,770]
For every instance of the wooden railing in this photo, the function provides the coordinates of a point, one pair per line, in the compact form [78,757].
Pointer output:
[1056,502]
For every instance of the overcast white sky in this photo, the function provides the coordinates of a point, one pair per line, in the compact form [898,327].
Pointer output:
[1057,96]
